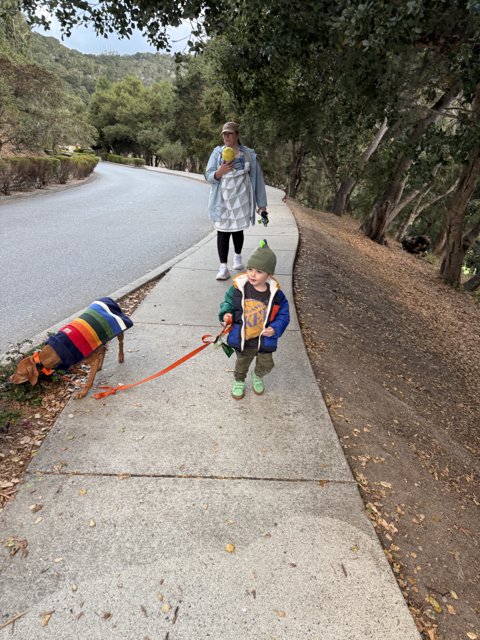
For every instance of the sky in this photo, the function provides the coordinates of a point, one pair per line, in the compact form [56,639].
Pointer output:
[85,40]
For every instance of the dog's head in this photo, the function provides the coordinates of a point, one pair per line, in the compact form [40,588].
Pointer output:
[26,371]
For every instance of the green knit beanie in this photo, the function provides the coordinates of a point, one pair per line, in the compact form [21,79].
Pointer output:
[263,259]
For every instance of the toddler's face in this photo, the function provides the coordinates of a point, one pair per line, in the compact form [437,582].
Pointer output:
[257,278]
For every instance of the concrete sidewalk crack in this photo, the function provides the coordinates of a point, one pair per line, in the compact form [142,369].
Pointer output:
[171,476]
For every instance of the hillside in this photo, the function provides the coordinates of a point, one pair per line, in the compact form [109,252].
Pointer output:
[81,71]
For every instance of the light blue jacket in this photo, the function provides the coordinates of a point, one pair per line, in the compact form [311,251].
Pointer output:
[256,178]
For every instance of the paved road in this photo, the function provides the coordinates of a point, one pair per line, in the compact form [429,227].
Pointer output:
[59,251]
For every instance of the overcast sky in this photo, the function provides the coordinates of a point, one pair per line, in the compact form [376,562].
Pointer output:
[85,40]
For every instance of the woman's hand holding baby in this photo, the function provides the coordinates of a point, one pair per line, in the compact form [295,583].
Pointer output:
[224,168]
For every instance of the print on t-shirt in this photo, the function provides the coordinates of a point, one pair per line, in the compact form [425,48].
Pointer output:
[255,311]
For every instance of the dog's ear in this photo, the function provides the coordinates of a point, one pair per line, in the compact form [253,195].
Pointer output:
[26,370]
[31,371]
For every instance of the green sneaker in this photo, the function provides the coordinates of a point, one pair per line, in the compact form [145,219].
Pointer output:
[238,389]
[258,386]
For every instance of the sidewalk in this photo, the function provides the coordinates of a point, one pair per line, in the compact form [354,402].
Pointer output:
[143,491]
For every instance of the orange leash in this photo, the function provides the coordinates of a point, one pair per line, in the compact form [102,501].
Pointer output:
[206,339]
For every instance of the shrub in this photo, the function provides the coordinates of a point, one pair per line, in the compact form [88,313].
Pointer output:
[26,172]
[65,169]
[113,157]
[84,164]
[34,172]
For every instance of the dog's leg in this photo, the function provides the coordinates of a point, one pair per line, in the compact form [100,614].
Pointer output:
[95,360]
[102,357]
[121,357]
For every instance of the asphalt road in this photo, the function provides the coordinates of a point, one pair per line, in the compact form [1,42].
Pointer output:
[59,251]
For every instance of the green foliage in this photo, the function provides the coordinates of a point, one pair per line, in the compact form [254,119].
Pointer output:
[37,108]
[81,72]
[172,155]
[9,418]
[25,393]
[26,172]
[34,172]
[112,157]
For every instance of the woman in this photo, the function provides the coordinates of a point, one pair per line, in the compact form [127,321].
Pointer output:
[238,188]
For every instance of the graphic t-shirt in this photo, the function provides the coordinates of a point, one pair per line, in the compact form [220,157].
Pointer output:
[256,304]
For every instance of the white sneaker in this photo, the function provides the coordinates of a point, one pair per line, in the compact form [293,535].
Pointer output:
[223,272]
[237,262]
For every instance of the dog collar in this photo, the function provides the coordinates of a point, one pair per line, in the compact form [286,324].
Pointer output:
[40,367]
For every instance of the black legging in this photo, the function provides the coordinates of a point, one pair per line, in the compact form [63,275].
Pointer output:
[223,240]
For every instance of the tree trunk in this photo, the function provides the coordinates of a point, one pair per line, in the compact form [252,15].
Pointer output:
[382,214]
[438,248]
[404,202]
[343,196]
[345,191]
[456,247]
[473,283]
[297,157]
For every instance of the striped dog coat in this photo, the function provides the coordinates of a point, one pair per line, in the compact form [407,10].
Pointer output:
[97,325]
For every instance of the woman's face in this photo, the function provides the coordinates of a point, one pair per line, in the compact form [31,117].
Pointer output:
[230,139]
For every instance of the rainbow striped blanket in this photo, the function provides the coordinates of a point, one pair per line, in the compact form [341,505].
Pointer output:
[97,325]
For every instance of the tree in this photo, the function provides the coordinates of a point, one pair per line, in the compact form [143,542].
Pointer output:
[119,111]
[456,244]
[386,208]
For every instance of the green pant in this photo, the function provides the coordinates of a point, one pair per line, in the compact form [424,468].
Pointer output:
[263,365]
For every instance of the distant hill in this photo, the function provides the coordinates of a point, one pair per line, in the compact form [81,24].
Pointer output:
[81,71]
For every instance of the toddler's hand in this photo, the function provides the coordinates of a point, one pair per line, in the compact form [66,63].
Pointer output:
[268,332]
[227,319]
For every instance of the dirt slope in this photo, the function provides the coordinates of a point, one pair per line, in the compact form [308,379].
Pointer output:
[397,356]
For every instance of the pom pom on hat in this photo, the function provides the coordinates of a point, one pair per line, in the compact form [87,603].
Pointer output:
[263,258]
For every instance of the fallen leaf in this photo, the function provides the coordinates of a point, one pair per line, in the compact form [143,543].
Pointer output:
[46,617]
[435,604]
[92,523]
[454,595]
[166,608]
[471,635]
[230,547]
[106,615]
[451,609]
[74,587]
[35,507]
[280,614]
[17,544]
[160,597]
[83,492]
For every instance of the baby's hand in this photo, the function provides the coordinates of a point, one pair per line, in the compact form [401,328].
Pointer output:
[268,332]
